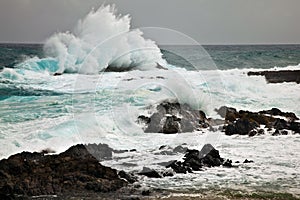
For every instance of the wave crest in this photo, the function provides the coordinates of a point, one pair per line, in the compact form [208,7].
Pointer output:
[102,40]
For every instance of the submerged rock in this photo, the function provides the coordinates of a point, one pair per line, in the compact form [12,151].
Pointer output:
[57,74]
[248,161]
[32,174]
[167,150]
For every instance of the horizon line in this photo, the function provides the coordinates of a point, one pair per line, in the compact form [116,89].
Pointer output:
[205,44]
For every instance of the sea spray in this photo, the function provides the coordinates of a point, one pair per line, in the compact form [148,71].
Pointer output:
[102,40]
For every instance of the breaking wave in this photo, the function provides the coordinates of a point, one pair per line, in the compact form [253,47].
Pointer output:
[101,41]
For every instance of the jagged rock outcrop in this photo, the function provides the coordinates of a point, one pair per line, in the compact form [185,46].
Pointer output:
[279,76]
[195,160]
[75,170]
[173,117]
[248,123]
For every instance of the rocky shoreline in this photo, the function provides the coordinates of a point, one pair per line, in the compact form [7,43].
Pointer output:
[173,117]
[75,170]
[78,173]
[279,76]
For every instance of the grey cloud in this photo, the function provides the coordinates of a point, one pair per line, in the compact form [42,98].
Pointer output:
[207,21]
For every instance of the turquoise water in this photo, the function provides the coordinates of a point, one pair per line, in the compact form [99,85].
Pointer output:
[225,56]
[35,105]
[58,94]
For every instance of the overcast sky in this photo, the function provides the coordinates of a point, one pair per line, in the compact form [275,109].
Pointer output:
[207,21]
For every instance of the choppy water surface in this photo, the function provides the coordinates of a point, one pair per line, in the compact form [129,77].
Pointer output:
[86,105]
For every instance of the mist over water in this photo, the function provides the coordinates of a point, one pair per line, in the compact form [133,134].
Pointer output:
[102,40]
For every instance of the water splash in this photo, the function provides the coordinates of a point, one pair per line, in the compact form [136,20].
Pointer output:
[102,41]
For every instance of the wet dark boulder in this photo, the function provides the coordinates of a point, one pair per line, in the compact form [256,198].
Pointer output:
[279,76]
[240,127]
[32,174]
[151,173]
[57,74]
[173,117]
[280,124]
[279,132]
[171,125]
[179,167]
[210,156]
[247,123]
[258,118]
[295,126]
[228,113]
[167,150]
[130,178]
[180,149]
[248,161]
[276,112]
[195,160]
[153,123]
[100,151]
[192,160]
[252,133]
[228,163]
[256,132]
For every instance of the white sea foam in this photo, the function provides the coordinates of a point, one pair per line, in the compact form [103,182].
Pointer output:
[276,164]
[103,108]
[102,39]
[114,100]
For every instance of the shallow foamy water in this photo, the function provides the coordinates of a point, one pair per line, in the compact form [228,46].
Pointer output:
[104,108]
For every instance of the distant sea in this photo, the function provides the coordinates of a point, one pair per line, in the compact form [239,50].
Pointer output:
[224,56]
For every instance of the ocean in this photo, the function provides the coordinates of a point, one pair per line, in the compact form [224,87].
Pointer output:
[68,91]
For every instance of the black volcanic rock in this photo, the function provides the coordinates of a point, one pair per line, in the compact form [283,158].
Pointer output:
[180,149]
[248,161]
[276,112]
[295,126]
[195,160]
[128,177]
[178,167]
[100,151]
[228,163]
[150,173]
[279,76]
[75,170]
[247,122]
[228,113]
[171,125]
[173,117]
[240,127]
